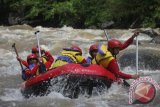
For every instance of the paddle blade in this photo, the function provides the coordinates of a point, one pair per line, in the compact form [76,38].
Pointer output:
[13,45]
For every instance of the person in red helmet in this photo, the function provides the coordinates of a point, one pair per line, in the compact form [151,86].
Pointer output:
[32,66]
[45,62]
[76,48]
[106,57]
[46,56]
[115,46]
[69,55]
[93,52]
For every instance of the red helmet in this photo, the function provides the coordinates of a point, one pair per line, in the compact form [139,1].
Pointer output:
[34,50]
[76,48]
[31,56]
[114,43]
[93,48]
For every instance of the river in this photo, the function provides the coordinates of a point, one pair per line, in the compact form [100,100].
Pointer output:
[54,39]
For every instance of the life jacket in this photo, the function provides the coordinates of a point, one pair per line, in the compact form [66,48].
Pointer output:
[44,59]
[47,60]
[31,66]
[42,65]
[89,60]
[58,63]
[24,76]
[103,56]
[67,56]
[73,56]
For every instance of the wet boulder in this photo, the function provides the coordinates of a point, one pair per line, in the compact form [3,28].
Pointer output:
[148,59]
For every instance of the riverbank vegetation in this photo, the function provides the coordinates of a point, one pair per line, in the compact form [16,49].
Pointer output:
[81,13]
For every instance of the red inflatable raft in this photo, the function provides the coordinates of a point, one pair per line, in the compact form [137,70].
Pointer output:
[87,76]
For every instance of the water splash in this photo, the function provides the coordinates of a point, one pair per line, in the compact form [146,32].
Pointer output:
[11,94]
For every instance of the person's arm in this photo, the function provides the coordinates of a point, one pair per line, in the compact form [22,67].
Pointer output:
[49,56]
[50,60]
[33,71]
[23,61]
[114,68]
[129,41]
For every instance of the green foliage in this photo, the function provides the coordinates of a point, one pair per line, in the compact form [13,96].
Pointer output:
[64,10]
[92,12]
[85,13]
[157,9]
[148,22]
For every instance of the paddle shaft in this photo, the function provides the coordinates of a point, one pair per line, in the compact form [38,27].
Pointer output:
[15,49]
[42,67]
[106,35]
[137,55]
[39,51]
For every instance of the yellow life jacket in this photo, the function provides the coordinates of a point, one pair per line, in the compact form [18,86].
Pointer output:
[103,56]
[58,63]
[75,56]
[37,72]
[44,59]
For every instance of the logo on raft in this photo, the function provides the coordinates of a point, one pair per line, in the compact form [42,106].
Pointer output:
[143,90]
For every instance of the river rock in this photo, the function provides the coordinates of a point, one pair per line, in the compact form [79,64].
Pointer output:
[148,59]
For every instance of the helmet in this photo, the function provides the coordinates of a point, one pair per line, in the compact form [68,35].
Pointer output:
[34,50]
[31,56]
[76,48]
[114,43]
[93,48]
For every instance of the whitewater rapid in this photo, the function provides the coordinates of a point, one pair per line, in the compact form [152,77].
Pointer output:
[54,39]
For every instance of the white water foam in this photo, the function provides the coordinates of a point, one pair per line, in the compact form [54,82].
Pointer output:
[11,94]
[10,64]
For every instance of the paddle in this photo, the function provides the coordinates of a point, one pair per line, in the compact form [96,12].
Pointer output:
[42,67]
[39,51]
[15,49]
[106,34]
[137,55]
[125,83]
[23,70]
